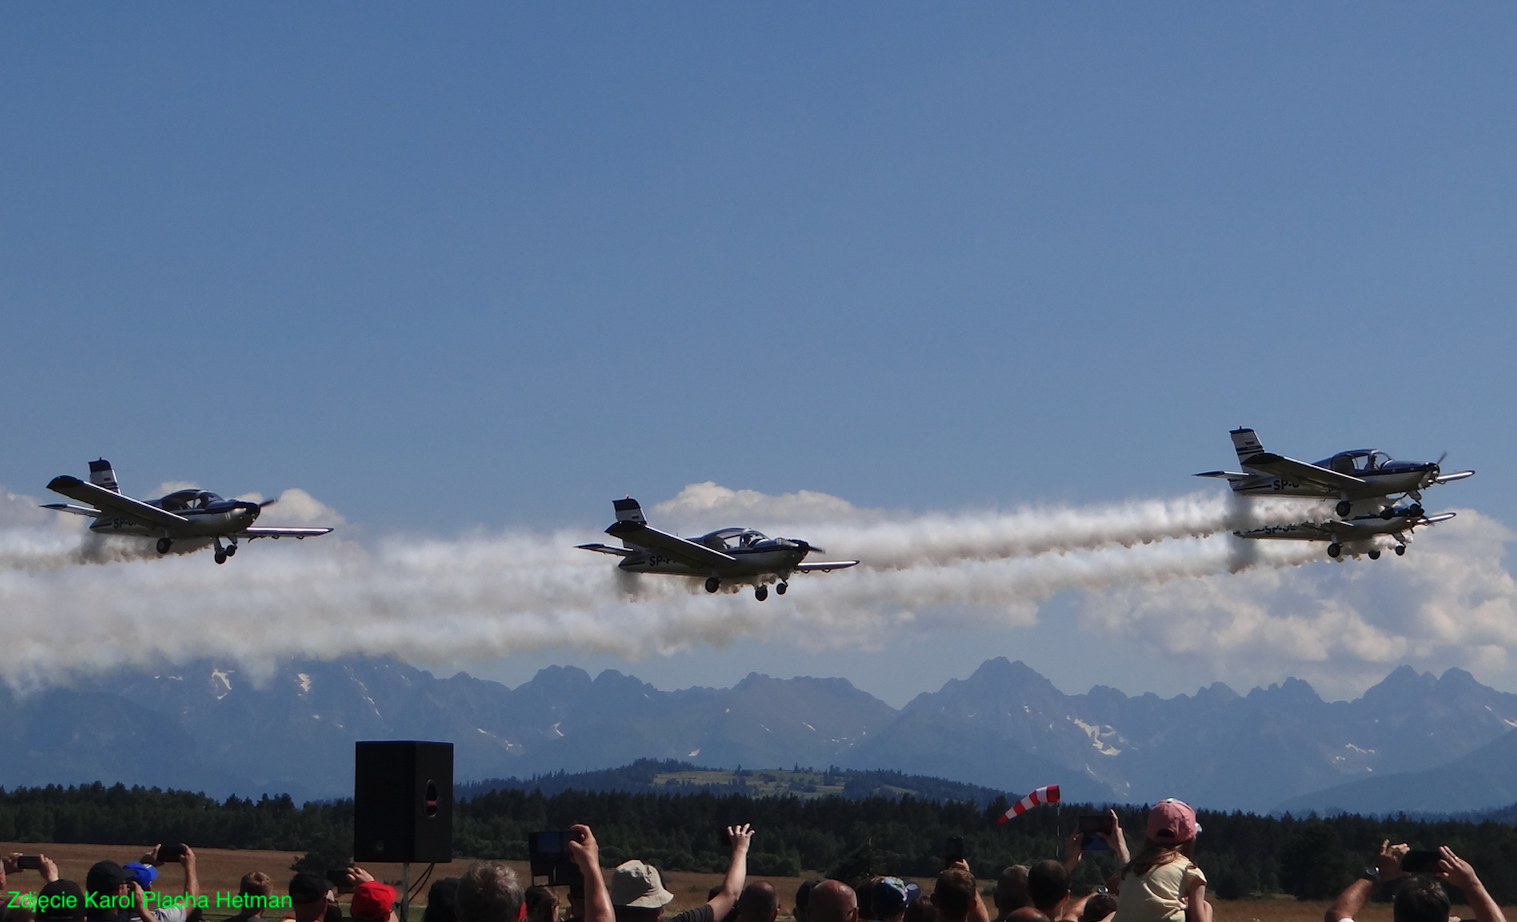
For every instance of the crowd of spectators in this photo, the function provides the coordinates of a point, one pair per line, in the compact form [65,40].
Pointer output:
[1161,883]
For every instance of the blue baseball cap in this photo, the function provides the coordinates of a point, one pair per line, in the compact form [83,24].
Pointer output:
[143,874]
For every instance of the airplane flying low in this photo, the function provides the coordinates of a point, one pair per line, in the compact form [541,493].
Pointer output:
[1358,534]
[734,554]
[1364,480]
[184,515]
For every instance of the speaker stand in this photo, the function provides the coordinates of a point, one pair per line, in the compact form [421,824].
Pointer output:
[405,891]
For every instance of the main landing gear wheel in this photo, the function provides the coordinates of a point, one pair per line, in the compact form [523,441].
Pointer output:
[1416,510]
[220,556]
[1374,555]
[1400,550]
[1344,508]
[164,544]
[231,550]
[713,584]
[782,588]
[1334,549]
[761,593]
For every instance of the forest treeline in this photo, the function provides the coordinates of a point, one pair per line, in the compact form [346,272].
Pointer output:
[1243,854]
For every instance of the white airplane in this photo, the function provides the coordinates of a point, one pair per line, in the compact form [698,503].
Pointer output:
[182,515]
[1357,535]
[735,554]
[1363,480]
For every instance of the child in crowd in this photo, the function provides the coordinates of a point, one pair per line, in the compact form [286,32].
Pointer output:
[1162,884]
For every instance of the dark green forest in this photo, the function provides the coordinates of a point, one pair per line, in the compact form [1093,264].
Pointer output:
[1242,854]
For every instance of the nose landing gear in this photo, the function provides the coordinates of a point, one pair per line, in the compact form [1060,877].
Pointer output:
[782,588]
[1334,549]
[713,584]
[164,544]
[761,593]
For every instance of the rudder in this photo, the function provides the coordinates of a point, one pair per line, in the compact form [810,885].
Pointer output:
[102,476]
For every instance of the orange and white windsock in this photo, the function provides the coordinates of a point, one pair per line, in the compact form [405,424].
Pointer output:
[1048,794]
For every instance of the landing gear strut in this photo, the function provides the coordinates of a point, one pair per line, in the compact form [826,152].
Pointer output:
[1334,549]
[761,593]
[220,552]
[164,544]
[713,584]
[782,588]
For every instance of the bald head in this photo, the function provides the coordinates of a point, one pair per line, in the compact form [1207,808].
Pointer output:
[833,901]
[758,903]
[1027,914]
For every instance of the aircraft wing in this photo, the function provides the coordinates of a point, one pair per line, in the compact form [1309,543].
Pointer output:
[688,552]
[1301,472]
[104,499]
[826,566]
[607,549]
[261,532]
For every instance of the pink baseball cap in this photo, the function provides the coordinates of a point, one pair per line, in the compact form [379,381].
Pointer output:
[1171,822]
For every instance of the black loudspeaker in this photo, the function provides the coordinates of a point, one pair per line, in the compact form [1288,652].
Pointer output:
[402,801]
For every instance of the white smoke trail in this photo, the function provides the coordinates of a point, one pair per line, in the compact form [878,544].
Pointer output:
[484,596]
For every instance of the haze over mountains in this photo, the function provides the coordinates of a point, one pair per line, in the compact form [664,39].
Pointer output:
[207,726]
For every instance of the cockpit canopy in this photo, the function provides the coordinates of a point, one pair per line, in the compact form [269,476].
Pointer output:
[1353,463]
[186,500]
[730,539]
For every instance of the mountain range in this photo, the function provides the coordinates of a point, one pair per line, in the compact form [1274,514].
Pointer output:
[1412,742]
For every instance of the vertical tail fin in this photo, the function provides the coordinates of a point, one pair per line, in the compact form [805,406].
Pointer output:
[1247,444]
[102,476]
[627,510]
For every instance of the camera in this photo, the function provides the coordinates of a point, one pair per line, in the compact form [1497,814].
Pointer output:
[953,850]
[548,854]
[169,854]
[29,863]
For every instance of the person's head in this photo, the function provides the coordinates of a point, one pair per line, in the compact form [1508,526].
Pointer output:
[1048,886]
[637,892]
[308,896]
[488,892]
[1011,889]
[143,874]
[758,903]
[442,896]
[542,904]
[832,901]
[373,902]
[1098,907]
[1420,899]
[60,901]
[1027,914]
[920,910]
[803,899]
[256,883]
[889,898]
[953,895]
[107,878]
[1172,822]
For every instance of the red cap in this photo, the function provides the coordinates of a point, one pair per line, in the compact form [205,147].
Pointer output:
[372,900]
[1171,822]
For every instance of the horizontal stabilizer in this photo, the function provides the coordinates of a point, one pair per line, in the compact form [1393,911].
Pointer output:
[70,507]
[826,566]
[1453,476]
[138,511]
[1225,475]
[608,549]
[260,532]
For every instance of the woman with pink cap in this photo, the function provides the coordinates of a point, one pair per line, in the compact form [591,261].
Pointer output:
[1162,884]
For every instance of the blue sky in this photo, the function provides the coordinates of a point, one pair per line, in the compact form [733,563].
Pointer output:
[490,265]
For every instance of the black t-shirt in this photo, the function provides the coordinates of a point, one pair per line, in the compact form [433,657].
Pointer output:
[702,913]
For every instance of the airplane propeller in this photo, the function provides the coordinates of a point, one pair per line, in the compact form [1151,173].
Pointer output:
[807,546]
[268,502]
